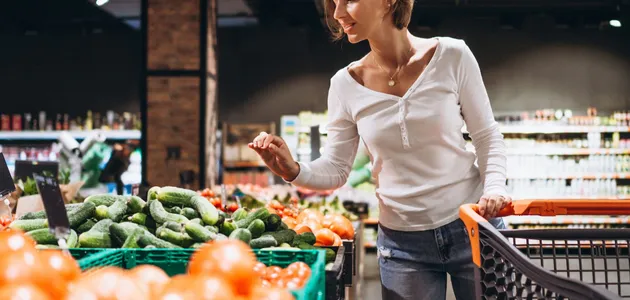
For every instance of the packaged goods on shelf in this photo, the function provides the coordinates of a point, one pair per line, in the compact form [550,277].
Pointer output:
[42,121]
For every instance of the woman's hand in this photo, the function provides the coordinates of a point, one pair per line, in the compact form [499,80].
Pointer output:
[276,155]
[490,205]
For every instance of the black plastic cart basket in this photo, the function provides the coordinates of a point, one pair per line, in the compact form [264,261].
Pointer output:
[569,263]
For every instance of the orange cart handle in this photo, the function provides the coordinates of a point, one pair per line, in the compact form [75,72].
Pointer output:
[563,207]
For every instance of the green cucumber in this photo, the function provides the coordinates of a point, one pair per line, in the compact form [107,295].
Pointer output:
[174,196]
[199,233]
[257,228]
[73,239]
[197,245]
[273,222]
[29,225]
[95,239]
[152,193]
[189,213]
[221,237]
[260,214]
[239,214]
[101,212]
[42,236]
[264,241]
[283,226]
[198,221]
[142,219]
[330,254]
[132,239]
[102,199]
[81,214]
[178,227]
[161,216]
[209,214]
[33,215]
[135,204]
[178,238]
[284,236]
[212,229]
[46,247]
[151,241]
[174,210]
[241,234]
[86,226]
[306,237]
[117,210]
[227,228]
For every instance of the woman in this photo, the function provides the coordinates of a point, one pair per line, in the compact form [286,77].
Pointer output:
[407,100]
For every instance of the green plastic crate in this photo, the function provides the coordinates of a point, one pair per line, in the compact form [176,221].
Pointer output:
[175,261]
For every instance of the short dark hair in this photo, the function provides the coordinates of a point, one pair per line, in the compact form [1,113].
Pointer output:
[401,16]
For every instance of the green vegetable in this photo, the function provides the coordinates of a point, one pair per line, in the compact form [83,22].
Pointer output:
[284,236]
[197,221]
[264,241]
[330,254]
[73,239]
[227,228]
[174,196]
[120,232]
[135,204]
[161,216]
[86,226]
[177,238]
[189,213]
[132,239]
[273,222]
[174,210]
[306,237]
[102,199]
[117,210]
[260,214]
[239,214]
[212,229]
[46,247]
[29,225]
[197,245]
[98,236]
[152,193]
[81,214]
[241,234]
[283,226]
[101,212]
[148,240]
[209,214]
[142,219]
[199,233]
[42,236]
[257,228]
[173,226]
[221,237]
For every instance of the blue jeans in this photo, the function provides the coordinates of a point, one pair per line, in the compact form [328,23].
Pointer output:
[413,265]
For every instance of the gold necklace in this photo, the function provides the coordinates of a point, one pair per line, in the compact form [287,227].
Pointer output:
[391,81]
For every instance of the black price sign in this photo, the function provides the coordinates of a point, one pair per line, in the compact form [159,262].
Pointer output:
[50,192]
[6,181]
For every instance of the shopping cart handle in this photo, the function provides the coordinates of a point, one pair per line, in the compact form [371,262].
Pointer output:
[560,207]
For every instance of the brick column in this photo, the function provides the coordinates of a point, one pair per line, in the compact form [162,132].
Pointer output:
[179,103]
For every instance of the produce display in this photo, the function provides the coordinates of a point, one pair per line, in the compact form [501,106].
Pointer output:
[179,218]
[218,270]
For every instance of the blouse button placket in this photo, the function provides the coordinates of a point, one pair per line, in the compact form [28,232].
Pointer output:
[402,124]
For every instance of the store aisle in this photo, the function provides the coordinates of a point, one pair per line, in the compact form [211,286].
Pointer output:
[372,286]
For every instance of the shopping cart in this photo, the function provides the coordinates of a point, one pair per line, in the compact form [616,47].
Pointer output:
[583,263]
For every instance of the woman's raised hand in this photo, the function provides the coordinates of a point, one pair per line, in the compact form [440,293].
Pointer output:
[276,155]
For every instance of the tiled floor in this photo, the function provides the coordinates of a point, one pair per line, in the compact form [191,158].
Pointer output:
[372,285]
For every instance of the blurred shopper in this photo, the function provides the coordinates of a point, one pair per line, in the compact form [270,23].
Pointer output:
[407,100]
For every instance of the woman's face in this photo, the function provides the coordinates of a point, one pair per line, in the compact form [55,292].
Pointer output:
[360,18]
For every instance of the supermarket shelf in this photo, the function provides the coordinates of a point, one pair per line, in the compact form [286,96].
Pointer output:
[243,164]
[564,151]
[574,176]
[565,220]
[54,135]
[551,128]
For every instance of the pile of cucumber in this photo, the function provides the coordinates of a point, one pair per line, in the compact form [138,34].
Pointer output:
[171,217]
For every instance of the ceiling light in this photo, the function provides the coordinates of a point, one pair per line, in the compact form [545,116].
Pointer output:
[615,23]
[101,2]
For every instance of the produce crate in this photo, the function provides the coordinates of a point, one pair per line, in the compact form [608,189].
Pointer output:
[175,261]
[350,261]
[335,286]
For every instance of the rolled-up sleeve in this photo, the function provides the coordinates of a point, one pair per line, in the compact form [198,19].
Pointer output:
[479,118]
[331,170]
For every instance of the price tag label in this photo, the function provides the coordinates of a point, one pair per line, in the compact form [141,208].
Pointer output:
[6,181]
[50,192]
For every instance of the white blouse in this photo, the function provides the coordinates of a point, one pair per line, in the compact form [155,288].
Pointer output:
[422,170]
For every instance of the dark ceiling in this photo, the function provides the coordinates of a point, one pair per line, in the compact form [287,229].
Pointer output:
[43,15]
